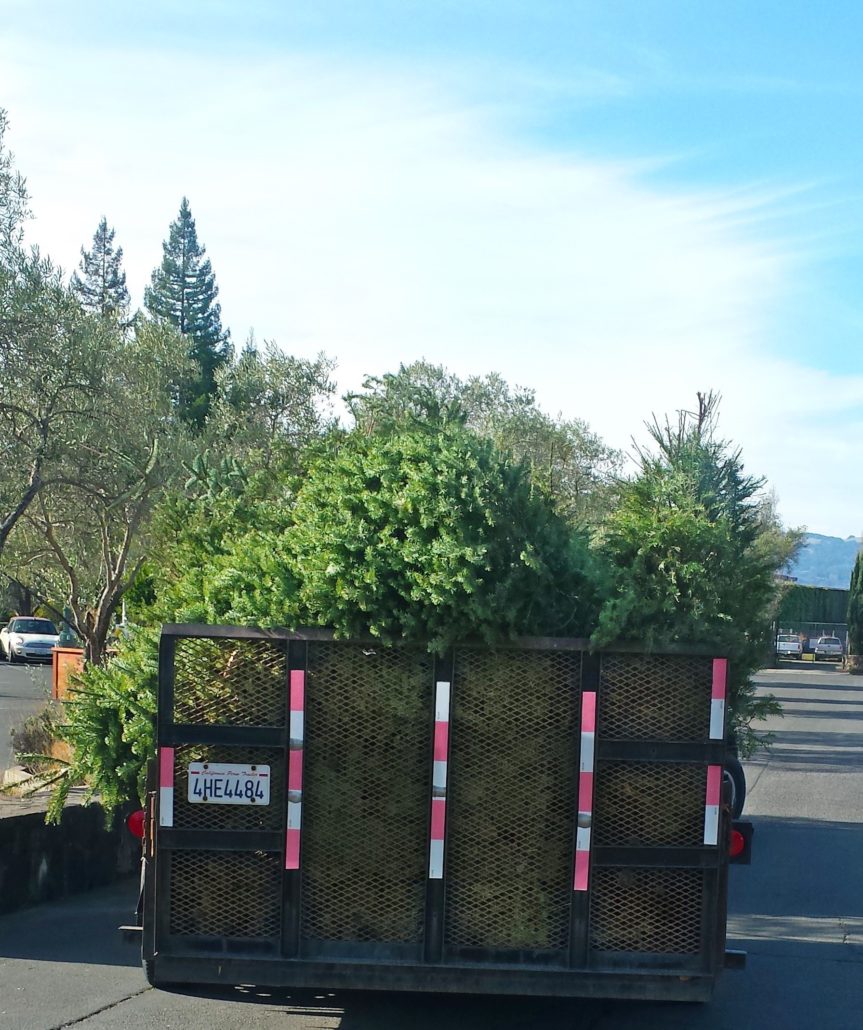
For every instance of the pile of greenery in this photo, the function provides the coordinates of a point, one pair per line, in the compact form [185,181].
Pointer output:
[693,549]
[149,466]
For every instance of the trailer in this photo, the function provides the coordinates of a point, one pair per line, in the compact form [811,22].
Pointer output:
[533,819]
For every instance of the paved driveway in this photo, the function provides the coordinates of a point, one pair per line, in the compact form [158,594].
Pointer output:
[24,689]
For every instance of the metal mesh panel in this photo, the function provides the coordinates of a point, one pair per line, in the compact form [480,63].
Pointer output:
[644,804]
[366,797]
[511,799]
[189,816]
[225,894]
[646,910]
[230,682]
[655,697]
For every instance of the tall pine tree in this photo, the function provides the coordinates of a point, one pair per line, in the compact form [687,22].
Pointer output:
[101,285]
[183,292]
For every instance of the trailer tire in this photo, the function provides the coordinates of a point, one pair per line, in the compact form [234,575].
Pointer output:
[149,971]
[733,775]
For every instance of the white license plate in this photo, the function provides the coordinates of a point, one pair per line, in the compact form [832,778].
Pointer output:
[220,783]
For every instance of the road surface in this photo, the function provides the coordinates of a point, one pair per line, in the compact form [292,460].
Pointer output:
[798,911]
[24,689]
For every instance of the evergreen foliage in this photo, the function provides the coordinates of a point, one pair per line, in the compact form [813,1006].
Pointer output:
[811,604]
[101,284]
[110,721]
[183,292]
[694,556]
[855,608]
[565,460]
[428,534]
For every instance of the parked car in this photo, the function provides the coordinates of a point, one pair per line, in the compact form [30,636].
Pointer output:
[789,646]
[27,637]
[830,648]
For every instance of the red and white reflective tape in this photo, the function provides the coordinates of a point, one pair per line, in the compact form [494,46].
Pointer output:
[166,786]
[711,804]
[295,768]
[439,780]
[585,791]
[717,699]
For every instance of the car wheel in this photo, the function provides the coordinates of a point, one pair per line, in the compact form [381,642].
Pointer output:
[734,776]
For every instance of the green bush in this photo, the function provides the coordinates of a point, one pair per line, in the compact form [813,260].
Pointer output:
[33,739]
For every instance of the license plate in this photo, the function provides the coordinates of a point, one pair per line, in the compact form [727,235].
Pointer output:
[220,783]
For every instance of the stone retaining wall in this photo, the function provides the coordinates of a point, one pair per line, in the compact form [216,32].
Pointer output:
[42,863]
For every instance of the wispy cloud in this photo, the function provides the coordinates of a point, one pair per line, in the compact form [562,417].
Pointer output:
[377,215]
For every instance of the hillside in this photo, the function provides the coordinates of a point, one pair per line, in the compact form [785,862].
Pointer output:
[825,561]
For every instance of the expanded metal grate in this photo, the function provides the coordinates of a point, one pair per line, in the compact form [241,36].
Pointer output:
[204,816]
[367,782]
[649,804]
[225,894]
[646,910]
[511,799]
[230,682]
[655,697]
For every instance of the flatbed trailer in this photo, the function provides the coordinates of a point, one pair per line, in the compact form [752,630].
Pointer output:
[536,819]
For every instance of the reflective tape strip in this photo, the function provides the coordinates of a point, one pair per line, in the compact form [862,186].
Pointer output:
[441,702]
[295,769]
[717,698]
[711,804]
[717,720]
[439,780]
[166,786]
[436,860]
[585,791]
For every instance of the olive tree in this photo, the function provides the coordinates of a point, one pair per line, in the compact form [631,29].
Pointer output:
[84,537]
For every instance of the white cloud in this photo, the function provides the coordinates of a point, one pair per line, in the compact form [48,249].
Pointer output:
[371,214]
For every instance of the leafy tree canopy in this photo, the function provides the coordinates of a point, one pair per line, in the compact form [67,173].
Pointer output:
[82,538]
[269,407]
[52,384]
[14,199]
[565,459]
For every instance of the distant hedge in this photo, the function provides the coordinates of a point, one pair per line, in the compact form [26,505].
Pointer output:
[812,604]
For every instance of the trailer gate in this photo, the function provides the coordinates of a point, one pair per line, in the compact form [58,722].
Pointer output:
[535,819]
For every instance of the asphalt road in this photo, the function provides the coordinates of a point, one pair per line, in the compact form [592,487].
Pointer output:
[798,911]
[24,689]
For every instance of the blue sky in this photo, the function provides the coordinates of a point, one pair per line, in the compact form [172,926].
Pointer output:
[617,204]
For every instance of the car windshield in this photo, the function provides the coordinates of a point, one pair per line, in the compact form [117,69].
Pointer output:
[787,640]
[32,626]
[830,640]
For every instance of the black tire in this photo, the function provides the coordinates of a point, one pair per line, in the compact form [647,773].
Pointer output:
[734,776]
[149,971]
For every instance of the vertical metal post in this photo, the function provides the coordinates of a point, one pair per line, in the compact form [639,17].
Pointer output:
[579,921]
[435,884]
[292,878]
[158,904]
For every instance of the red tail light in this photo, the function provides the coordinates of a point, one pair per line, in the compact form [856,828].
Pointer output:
[737,844]
[135,823]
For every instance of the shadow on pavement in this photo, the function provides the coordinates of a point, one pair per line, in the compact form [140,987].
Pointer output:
[81,929]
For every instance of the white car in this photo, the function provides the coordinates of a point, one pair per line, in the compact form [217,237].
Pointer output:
[830,648]
[28,637]
[788,646]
